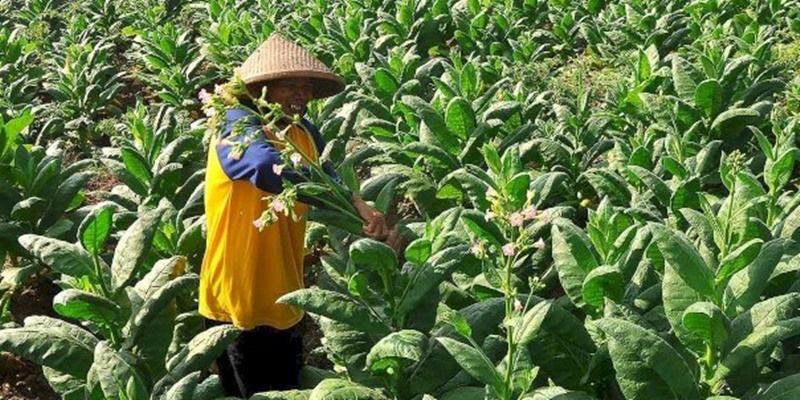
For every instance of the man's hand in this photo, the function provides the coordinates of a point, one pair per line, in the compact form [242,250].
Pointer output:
[375,226]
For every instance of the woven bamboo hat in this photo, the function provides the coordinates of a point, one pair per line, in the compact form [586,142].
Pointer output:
[279,57]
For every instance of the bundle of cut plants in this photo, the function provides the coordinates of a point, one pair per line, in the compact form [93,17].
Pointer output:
[305,178]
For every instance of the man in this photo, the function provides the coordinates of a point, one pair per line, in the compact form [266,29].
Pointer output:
[245,269]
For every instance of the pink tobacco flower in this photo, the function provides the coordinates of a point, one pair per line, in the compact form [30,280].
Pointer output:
[517,305]
[278,205]
[509,249]
[296,158]
[281,134]
[489,215]
[277,169]
[529,213]
[516,219]
[204,96]
[476,249]
[539,244]
[259,223]
[236,152]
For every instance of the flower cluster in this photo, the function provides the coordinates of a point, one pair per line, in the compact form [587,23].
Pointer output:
[224,96]
[511,221]
[280,204]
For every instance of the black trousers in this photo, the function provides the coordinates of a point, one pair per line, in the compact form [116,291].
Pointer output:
[261,359]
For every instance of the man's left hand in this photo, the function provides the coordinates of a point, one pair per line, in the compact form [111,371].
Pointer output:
[375,226]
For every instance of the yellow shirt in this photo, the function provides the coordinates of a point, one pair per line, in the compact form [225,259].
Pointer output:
[245,271]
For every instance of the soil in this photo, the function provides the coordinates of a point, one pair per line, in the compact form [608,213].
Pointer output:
[102,181]
[19,379]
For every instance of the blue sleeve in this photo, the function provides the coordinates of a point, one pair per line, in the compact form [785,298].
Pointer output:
[256,162]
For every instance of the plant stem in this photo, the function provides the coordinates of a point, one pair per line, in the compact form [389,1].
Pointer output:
[710,359]
[509,297]
[728,222]
[99,273]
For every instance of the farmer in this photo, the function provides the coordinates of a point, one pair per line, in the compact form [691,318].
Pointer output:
[246,269]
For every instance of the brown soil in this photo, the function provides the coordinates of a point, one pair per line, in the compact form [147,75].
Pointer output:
[19,379]
[102,181]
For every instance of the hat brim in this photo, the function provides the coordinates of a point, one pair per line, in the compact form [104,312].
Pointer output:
[324,84]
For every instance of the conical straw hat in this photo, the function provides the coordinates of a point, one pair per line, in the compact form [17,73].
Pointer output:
[278,58]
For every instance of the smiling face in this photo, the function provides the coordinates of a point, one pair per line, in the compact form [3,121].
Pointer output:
[293,94]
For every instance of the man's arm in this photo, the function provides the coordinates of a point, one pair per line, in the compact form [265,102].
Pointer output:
[258,161]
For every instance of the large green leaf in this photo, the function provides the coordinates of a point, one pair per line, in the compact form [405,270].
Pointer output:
[85,306]
[96,227]
[459,117]
[473,361]
[184,388]
[385,82]
[485,230]
[162,272]
[116,374]
[374,255]
[155,305]
[683,82]
[601,283]
[745,287]
[438,366]
[740,369]
[682,256]
[426,278]
[136,165]
[677,297]
[646,366]
[708,97]
[707,321]
[777,172]
[465,393]
[61,256]
[434,122]
[198,354]
[738,259]
[556,393]
[335,306]
[654,183]
[783,389]
[559,343]
[729,123]
[397,350]
[52,346]
[762,315]
[133,247]
[573,257]
[282,395]
[340,389]
[61,200]
[418,251]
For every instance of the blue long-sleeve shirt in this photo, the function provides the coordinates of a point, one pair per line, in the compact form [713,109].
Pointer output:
[257,162]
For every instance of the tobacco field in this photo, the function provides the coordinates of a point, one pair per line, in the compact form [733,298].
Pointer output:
[599,198]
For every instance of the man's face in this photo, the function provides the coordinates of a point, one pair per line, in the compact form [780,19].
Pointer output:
[293,94]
